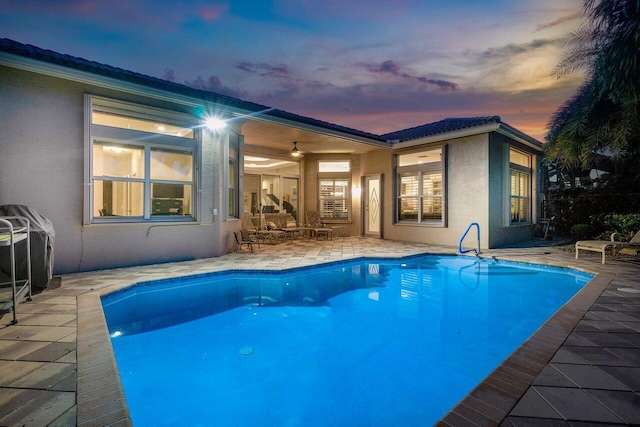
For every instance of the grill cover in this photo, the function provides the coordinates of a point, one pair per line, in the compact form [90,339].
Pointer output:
[42,236]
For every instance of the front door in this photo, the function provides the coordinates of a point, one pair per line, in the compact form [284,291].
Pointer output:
[372,203]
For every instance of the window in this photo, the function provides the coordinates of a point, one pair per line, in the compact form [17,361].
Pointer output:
[334,180]
[334,199]
[141,164]
[520,172]
[420,190]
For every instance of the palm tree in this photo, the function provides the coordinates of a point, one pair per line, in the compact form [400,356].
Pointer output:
[603,117]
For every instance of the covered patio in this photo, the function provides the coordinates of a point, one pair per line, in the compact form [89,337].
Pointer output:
[57,366]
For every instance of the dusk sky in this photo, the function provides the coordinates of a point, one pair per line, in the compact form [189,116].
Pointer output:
[377,66]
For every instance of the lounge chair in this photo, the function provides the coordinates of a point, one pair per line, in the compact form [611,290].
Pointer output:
[286,223]
[273,236]
[317,228]
[630,251]
[603,246]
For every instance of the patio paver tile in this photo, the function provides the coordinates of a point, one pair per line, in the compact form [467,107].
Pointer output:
[598,356]
[576,404]
[14,350]
[14,398]
[66,419]
[628,376]
[44,409]
[535,422]
[45,376]
[631,356]
[14,370]
[533,405]
[550,376]
[48,351]
[565,355]
[624,404]
[590,377]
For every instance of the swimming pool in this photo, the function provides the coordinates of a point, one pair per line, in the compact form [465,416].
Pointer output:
[368,342]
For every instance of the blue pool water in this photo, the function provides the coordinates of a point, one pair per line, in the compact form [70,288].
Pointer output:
[374,342]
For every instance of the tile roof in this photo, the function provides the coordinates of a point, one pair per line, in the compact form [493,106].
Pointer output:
[81,64]
[443,126]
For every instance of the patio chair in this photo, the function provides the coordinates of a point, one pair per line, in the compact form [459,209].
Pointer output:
[630,251]
[250,237]
[317,228]
[246,223]
[241,242]
[603,246]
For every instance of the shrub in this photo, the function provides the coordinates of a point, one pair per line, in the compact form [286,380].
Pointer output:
[622,223]
[581,231]
[590,206]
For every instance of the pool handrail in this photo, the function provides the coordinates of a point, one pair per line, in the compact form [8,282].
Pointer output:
[460,250]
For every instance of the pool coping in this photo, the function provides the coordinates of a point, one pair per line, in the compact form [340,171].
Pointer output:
[101,399]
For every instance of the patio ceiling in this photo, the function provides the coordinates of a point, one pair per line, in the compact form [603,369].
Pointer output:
[275,138]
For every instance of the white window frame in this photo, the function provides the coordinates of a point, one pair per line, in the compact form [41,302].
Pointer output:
[140,139]
[518,171]
[335,176]
[419,170]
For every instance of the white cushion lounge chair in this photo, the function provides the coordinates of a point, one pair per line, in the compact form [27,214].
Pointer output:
[603,246]
[630,250]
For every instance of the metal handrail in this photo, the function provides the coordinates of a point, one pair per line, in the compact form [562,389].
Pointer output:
[460,250]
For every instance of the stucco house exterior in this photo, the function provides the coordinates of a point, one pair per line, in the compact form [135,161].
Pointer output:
[131,170]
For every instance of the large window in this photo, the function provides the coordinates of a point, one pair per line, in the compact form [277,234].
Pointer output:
[334,181]
[520,172]
[420,187]
[141,164]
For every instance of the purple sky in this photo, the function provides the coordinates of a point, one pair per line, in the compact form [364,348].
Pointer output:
[373,65]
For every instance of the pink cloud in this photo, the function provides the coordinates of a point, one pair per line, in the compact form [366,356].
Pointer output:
[264,69]
[393,68]
[209,12]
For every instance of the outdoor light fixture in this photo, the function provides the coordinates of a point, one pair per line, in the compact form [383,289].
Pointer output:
[214,123]
[295,152]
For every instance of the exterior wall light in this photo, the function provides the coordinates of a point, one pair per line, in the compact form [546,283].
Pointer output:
[214,123]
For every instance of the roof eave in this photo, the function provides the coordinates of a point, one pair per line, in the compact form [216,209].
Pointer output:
[460,133]
[520,137]
[470,131]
